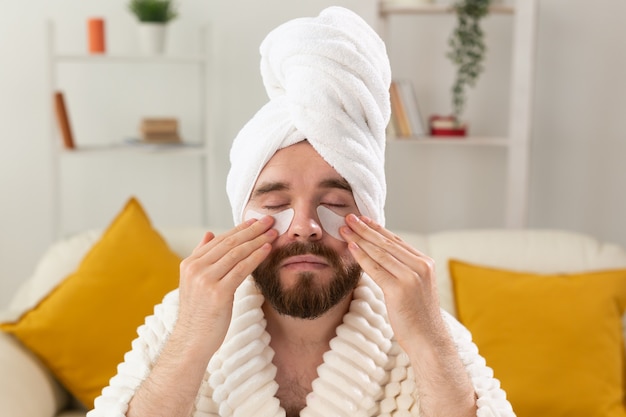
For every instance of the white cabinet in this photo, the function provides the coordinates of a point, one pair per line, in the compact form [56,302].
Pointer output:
[510,149]
[106,96]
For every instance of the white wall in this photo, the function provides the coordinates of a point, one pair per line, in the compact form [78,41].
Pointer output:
[106,110]
[578,153]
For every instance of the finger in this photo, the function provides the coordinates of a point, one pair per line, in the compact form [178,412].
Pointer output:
[245,267]
[390,235]
[246,254]
[201,247]
[378,262]
[230,270]
[372,231]
[386,249]
[208,236]
[243,232]
[371,267]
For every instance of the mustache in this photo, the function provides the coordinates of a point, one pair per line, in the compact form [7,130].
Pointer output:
[306,248]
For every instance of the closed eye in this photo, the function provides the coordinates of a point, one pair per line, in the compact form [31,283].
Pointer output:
[336,205]
[275,207]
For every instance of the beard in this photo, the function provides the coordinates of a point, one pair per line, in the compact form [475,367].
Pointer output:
[307,298]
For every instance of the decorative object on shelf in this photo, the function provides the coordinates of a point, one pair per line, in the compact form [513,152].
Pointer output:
[153,16]
[160,130]
[446,126]
[96,35]
[63,120]
[467,52]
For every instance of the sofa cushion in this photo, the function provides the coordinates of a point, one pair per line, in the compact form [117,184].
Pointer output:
[58,261]
[82,329]
[540,250]
[554,341]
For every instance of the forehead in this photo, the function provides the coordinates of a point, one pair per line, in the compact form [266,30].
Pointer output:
[298,162]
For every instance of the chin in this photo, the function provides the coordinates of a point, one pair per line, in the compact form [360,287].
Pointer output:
[315,279]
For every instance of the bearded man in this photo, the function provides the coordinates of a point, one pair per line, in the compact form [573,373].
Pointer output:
[309,306]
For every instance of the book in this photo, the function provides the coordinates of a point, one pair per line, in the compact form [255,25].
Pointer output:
[63,120]
[160,130]
[417,127]
[393,127]
[159,125]
[398,114]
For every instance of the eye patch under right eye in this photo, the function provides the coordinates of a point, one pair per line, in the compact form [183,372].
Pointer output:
[282,220]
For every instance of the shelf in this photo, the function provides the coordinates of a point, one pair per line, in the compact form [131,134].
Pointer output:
[163,59]
[389,8]
[452,141]
[120,149]
[516,143]
[107,149]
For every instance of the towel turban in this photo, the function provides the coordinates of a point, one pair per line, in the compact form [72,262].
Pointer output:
[327,79]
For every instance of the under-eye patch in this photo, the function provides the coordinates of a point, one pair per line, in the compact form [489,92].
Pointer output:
[282,219]
[331,221]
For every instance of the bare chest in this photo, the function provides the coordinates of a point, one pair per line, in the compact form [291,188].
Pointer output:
[294,380]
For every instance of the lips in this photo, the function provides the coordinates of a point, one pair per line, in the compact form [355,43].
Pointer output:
[305,260]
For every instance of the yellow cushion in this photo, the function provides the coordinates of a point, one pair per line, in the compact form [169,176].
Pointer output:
[554,341]
[82,329]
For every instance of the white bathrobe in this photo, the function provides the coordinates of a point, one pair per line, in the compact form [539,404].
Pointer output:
[365,372]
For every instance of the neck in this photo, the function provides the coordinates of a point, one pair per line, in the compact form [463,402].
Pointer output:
[304,332]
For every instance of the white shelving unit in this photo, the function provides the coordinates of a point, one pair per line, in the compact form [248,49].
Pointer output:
[196,148]
[517,140]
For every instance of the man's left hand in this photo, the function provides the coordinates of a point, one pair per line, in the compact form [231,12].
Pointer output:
[406,276]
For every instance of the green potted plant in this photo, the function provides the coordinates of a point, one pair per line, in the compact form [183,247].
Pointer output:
[152,15]
[467,53]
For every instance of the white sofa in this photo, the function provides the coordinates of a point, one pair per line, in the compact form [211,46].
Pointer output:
[27,389]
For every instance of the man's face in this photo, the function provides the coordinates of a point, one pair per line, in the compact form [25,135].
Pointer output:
[308,271]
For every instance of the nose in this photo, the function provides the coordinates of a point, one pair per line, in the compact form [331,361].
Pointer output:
[305,225]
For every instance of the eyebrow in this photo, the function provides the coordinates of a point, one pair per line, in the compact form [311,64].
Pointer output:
[269,187]
[341,184]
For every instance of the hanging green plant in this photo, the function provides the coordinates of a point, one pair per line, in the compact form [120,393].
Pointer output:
[467,50]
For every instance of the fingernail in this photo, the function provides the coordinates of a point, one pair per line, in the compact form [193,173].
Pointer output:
[352,218]
[266,219]
[346,230]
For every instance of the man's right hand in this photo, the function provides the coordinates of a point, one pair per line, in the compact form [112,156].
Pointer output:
[210,276]
[208,280]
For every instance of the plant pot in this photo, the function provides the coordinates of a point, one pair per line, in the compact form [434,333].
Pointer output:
[410,2]
[151,38]
[446,126]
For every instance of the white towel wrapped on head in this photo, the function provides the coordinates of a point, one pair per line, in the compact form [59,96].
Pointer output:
[328,82]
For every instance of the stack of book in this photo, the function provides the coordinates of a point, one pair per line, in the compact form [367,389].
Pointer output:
[406,119]
[159,130]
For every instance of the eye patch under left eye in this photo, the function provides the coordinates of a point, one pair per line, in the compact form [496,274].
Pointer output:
[331,221]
